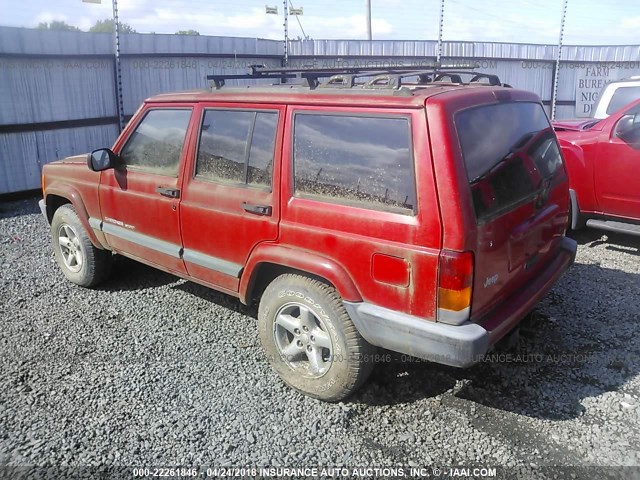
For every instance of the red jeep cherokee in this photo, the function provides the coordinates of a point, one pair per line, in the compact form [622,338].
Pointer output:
[603,161]
[427,218]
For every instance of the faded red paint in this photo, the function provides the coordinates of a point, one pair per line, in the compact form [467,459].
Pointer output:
[385,258]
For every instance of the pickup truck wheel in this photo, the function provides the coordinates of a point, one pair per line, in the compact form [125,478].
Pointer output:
[310,340]
[79,260]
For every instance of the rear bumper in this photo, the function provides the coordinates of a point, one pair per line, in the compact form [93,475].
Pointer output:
[508,314]
[455,345]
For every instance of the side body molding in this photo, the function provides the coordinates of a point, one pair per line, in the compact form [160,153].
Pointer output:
[140,239]
[300,260]
[171,249]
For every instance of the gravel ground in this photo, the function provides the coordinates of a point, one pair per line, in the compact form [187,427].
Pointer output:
[153,370]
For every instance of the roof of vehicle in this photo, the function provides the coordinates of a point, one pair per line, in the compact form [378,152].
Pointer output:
[407,96]
[634,78]
[354,86]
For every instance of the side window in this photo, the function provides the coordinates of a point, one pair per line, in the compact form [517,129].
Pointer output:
[261,153]
[237,147]
[156,143]
[361,160]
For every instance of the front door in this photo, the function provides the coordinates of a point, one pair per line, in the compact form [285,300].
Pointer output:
[230,200]
[617,165]
[140,200]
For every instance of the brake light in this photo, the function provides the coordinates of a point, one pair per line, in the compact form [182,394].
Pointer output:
[43,183]
[455,283]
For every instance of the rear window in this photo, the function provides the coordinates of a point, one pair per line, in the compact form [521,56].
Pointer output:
[621,97]
[365,161]
[509,149]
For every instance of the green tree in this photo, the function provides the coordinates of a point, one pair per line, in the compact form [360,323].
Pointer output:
[187,32]
[106,26]
[59,25]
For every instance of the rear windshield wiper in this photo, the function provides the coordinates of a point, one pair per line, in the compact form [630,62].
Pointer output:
[484,175]
[522,141]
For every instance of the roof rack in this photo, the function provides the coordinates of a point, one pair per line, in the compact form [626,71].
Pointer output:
[383,78]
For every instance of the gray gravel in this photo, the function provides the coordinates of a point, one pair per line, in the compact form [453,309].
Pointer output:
[153,370]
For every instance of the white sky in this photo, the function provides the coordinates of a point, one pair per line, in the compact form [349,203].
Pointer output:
[523,21]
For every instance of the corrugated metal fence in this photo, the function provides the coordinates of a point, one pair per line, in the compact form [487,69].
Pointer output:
[58,92]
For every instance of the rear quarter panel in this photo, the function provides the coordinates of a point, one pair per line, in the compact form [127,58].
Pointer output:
[402,248]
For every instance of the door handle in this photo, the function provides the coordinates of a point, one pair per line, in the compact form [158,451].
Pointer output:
[257,209]
[168,192]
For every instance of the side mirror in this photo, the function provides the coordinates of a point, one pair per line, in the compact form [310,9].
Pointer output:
[102,159]
[628,130]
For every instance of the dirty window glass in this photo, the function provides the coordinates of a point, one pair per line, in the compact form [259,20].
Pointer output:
[223,145]
[509,149]
[261,152]
[156,143]
[361,160]
[237,146]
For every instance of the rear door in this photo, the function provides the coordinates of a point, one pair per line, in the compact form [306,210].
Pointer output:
[229,199]
[519,194]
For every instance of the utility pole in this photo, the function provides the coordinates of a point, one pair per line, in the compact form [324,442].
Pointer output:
[439,48]
[286,32]
[557,72]
[116,35]
[369,36]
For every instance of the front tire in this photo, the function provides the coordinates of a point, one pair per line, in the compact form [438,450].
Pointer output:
[80,261]
[310,340]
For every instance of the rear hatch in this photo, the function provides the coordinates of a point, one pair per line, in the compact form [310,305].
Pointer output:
[519,193]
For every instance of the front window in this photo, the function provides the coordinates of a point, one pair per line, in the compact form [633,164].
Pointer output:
[156,143]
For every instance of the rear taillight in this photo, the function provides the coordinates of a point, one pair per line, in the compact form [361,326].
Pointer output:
[455,282]
[43,184]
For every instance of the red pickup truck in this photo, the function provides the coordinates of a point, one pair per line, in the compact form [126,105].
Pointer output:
[602,158]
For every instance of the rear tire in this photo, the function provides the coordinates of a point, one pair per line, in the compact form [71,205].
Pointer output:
[310,340]
[80,261]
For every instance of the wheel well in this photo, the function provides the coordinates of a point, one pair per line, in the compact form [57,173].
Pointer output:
[54,202]
[266,273]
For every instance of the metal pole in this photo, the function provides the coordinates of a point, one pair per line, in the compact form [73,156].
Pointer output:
[286,32]
[304,34]
[557,70]
[116,33]
[439,50]
[369,36]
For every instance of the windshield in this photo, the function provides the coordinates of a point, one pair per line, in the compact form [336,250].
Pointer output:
[621,97]
[508,150]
